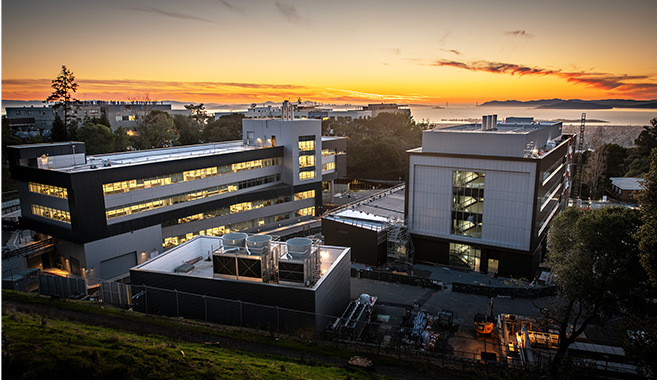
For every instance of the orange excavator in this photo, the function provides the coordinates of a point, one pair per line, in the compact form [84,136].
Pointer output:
[483,324]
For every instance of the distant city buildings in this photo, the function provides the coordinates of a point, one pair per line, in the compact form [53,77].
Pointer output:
[327,112]
[31,121]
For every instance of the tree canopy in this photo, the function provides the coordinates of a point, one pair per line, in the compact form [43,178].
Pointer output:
[226,128]
[155,131]
[97,138]
[386,137]
[647,233]
[595,257]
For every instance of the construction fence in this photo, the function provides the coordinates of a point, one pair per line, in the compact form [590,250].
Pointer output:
[396,277]
[511,292]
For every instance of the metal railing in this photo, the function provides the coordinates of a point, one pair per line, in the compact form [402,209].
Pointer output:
[29,249]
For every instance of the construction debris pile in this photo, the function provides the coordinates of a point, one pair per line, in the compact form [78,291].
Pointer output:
[419,330]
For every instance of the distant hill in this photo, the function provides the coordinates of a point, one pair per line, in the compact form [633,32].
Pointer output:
[574,103]
[520,103]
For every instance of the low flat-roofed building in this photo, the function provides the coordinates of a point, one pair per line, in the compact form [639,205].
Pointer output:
[625,189]
[247,281]
[364,225]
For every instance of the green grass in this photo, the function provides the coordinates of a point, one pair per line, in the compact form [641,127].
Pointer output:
[45,348]
[50,343]
[42,345]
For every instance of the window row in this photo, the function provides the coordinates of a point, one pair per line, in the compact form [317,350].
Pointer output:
[53,191]
[51,213]
[134,208]
[239,207]
[222,230]
[306,143]
[190,175]
[304,195]
[306,161]
[328,166]
[329,152]
[306,175]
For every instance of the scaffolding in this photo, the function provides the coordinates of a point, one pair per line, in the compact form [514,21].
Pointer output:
[400,246]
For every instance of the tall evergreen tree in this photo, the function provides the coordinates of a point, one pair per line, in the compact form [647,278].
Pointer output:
[58,130]
[63,88]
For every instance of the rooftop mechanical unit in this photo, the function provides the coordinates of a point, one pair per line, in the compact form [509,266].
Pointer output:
[300,264]
[244,257]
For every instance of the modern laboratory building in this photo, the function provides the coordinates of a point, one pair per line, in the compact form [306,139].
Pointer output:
[481,196]
[108,213]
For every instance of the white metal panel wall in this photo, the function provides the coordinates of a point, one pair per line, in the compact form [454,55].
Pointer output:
[508,199]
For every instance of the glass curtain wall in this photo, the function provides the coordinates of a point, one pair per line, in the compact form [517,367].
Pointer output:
[467,203]
[464,256]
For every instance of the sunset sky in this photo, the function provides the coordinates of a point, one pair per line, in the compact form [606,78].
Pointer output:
[354,51]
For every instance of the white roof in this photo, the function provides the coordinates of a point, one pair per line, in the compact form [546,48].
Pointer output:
[623,183]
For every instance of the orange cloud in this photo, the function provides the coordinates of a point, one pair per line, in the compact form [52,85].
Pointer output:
[603,81]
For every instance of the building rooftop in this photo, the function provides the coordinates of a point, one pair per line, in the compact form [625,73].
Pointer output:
[197,250]
[633,184]
[374,212]
[521,137]
[501,127]
[96,162]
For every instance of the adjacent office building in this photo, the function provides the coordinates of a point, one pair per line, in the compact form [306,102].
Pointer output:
[108,213]
[481,196]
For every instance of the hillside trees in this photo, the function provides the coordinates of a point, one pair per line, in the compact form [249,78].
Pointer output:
[385,137]
[226,128]
[595,258]
[594,170]
[97,138]
[188,130]
[647,233]
[155,131]
[121,140]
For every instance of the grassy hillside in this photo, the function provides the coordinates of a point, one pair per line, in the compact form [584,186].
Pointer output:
[55,339]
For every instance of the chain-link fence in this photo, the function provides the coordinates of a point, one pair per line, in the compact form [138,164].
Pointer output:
[172,303]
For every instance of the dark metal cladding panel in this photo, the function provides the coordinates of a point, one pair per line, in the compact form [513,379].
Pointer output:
[334,293]
[341,165]
[361,240]
[245,291]
[339,144]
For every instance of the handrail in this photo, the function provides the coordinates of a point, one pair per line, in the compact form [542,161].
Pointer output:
[28,249]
